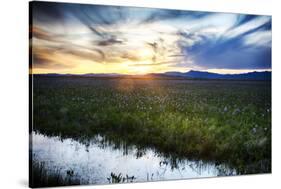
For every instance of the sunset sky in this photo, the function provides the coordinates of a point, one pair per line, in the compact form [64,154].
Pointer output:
[77,38]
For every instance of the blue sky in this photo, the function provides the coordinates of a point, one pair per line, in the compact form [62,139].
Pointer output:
[77,38]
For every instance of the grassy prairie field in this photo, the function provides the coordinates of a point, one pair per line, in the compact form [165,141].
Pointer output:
[214,120]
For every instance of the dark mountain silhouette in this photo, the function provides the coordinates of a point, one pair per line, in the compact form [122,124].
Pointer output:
[101,75]
[266,75]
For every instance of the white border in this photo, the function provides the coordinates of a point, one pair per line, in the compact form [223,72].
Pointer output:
[14,91]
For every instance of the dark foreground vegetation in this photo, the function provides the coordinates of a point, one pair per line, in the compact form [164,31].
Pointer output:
[214,120]
[41,177]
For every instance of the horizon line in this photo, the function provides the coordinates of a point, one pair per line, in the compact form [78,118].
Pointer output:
[142,74]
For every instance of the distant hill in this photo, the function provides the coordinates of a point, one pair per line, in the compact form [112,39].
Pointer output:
[266,75]
[101,75]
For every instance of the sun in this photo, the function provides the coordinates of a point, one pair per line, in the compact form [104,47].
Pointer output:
[143,70]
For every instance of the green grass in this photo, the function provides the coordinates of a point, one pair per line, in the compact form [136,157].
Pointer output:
[223,121]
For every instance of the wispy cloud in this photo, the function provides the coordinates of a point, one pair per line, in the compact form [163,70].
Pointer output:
[95,38]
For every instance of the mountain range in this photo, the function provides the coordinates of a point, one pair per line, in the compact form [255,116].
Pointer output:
[265,75]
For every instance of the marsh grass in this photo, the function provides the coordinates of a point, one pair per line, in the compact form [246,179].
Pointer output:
[42,177]
[119,178]
[223,121]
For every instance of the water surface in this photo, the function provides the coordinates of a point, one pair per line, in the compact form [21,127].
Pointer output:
[93,163]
